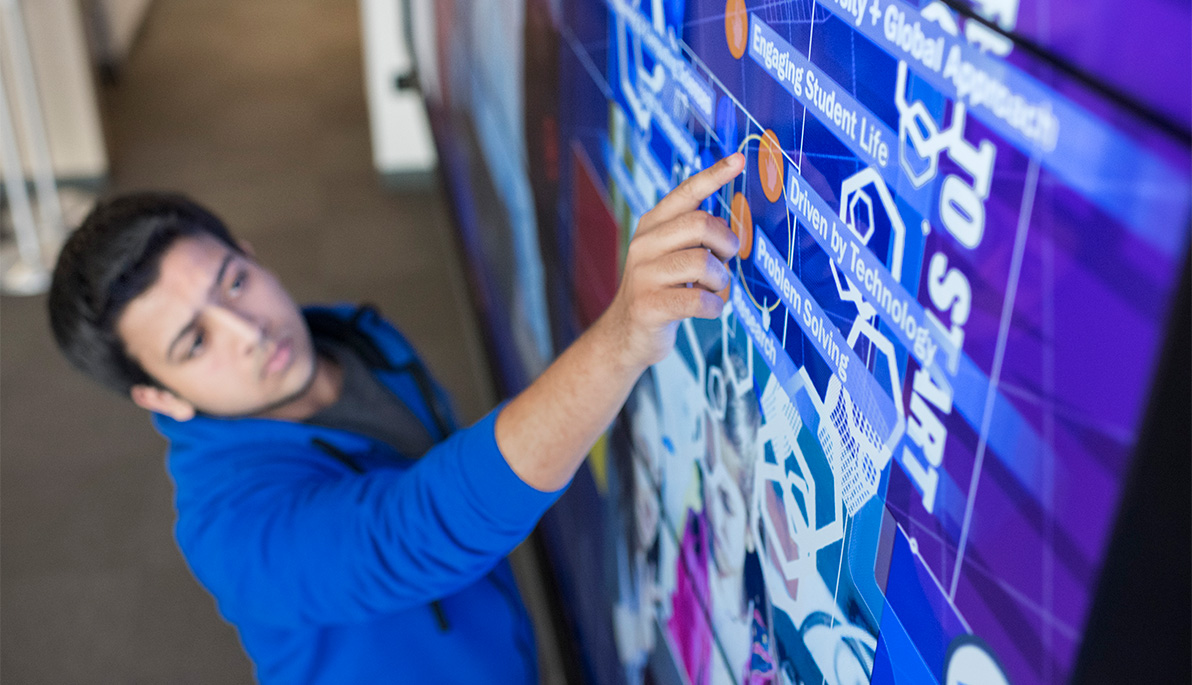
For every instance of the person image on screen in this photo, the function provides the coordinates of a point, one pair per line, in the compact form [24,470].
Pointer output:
[687,627]
[638,469]
[716,542]
[324,496]
[736,596]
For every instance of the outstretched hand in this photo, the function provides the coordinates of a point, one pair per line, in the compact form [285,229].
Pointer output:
[675,267]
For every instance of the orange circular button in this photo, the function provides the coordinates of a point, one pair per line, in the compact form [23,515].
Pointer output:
[769,165]
[736,27]
[742,224]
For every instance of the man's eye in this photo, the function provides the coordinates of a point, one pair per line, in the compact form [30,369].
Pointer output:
[196,345]
[238,283]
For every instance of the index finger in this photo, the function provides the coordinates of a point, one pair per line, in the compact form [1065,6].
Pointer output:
[690,193]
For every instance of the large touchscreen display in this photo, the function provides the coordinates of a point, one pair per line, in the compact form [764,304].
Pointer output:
[897,456]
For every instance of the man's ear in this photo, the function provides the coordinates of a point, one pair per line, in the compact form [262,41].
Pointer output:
[162,401]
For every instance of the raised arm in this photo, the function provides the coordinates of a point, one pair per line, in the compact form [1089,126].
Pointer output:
[673,271]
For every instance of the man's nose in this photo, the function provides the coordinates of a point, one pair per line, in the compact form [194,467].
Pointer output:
[244,326]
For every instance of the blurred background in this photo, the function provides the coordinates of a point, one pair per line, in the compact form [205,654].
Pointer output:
[260,111]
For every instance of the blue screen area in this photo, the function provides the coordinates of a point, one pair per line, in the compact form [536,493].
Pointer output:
[898,454]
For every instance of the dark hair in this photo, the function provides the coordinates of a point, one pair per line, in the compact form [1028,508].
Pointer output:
[113,257]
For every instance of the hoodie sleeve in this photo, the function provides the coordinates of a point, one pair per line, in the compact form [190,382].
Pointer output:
[296,541]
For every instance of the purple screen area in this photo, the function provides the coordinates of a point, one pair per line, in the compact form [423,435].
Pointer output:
[1141,50]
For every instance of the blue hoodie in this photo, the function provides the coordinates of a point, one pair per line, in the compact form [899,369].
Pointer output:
[341,561]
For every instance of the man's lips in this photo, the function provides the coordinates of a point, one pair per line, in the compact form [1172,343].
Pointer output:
[279,359]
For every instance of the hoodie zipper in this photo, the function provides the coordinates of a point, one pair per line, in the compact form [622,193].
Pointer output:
[440,616]
[336,452]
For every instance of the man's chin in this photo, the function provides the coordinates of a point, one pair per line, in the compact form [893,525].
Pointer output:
[308,380]
[271,408]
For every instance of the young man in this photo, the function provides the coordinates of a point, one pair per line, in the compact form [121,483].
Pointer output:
[323,495]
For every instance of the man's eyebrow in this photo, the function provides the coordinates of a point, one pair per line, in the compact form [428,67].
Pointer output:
[219,276]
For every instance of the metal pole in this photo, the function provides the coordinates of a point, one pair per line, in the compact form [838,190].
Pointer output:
[29,274]
[49,206]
